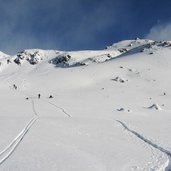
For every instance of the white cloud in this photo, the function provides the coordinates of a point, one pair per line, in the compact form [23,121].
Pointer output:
[160,32]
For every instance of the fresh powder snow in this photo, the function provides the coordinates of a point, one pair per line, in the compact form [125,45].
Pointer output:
[101,110]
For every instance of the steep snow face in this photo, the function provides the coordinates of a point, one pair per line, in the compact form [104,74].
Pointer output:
[111,112]
[139,45]
[130,44]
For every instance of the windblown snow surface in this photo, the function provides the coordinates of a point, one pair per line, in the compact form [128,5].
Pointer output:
[110,111]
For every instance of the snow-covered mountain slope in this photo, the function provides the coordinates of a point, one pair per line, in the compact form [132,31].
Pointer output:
[64,59]
[3,56]
[110,109]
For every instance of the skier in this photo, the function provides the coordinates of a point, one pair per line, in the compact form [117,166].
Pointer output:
[15,87]
[50,96]
[38,96]
[8,61]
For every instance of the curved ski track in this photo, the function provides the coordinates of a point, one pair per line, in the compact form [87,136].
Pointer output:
[62,109]
[147,141]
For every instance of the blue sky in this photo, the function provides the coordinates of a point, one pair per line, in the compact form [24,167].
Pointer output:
[80,24]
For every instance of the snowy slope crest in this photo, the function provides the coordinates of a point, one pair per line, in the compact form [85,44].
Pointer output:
[87,57]
[64,59]
[139,45]
[3,55]
[128,47]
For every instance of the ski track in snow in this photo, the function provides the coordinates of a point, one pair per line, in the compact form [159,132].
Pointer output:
[33,107]
[147,141]
[62,109]
[9,149]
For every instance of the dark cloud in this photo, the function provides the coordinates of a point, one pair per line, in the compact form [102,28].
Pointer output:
[53,23]
[74,24]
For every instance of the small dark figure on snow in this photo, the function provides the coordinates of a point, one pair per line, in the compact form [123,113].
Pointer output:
[8,61]
[15,87]
[38,96]
[50,97]
[27,98]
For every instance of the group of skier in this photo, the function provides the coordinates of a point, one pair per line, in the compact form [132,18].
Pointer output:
[50,96]
[39,95]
